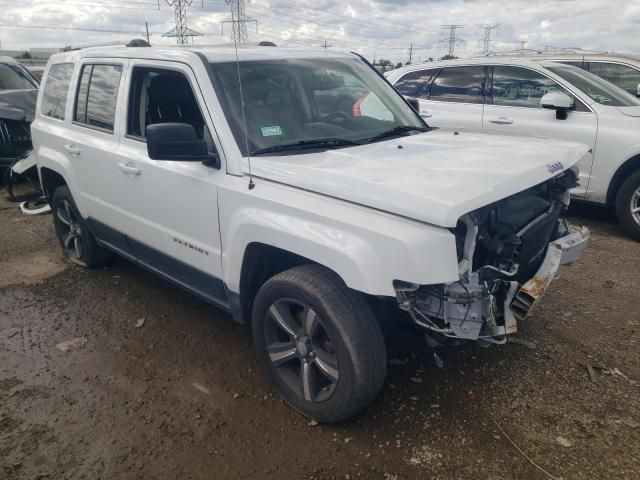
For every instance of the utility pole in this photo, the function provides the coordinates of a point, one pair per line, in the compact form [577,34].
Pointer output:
[326,45]
[146,27]
[410,53]
[239,21]
[181,32]
[453,39]
[486,40]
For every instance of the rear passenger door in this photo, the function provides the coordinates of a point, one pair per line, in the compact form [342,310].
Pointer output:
[513,107]
[93,139]
[454,98]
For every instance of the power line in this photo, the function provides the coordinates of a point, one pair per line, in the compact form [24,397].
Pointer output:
[239,21]
[181,32]
[486,40]
[453,39]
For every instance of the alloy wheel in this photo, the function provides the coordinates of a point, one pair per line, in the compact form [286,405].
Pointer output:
[635,206]
[300,350]
[70,230]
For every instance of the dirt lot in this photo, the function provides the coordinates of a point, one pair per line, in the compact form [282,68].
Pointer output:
[181,396]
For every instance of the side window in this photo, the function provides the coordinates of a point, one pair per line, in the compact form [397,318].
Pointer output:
[459,84]
[521,87]
[56,89]
[97,96]
[623,76]
[161,96]
[416,84]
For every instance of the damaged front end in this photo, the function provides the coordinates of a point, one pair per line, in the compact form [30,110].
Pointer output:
[508,254]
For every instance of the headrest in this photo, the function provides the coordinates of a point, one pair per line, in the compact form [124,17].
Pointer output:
[167,88]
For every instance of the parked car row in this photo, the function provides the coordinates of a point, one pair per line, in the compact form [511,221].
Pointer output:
[522,96]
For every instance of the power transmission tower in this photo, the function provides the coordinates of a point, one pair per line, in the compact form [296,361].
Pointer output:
[453,39]
[486,39]
[181,32]
[239,21]
[523,43]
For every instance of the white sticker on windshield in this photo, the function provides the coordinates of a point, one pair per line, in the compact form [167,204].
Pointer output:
[272,131]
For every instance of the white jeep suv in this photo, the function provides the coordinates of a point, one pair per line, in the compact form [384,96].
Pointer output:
[253,184]
[517,96]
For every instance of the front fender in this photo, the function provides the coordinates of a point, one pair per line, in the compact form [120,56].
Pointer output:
[368,249]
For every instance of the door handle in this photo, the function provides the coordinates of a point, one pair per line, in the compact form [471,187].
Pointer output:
[501,121]
[72,149]
[425,114]
[129,168]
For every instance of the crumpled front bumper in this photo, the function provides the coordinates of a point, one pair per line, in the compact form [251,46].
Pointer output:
[562,251]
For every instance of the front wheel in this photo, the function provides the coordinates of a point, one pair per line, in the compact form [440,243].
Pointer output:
[319,343]
[628,205]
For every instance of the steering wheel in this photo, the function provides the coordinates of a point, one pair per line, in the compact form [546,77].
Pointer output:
[342,116]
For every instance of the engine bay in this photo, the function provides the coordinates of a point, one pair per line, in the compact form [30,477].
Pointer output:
[502,248]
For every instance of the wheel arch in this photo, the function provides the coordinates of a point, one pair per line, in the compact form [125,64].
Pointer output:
[621,174]
[261,262]
[50,180]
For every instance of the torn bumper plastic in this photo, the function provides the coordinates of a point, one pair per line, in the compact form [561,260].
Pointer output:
[562,251]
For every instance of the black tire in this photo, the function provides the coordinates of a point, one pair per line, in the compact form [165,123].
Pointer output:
[77,242]
[628,196]
[347,331]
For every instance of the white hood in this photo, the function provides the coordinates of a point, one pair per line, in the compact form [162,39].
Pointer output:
[434,177]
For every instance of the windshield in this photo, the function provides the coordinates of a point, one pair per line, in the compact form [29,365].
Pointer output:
[294,104]
[598,89]
[12,77]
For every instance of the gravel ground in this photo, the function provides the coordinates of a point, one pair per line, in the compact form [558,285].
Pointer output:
[158,384]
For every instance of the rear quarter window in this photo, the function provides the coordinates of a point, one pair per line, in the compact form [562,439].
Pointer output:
[56,90]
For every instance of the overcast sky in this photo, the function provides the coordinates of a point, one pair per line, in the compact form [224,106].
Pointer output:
[386,27]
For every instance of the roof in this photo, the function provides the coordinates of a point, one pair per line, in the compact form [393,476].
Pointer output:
[515,60]
[5,59]
[218,53]
[576,55]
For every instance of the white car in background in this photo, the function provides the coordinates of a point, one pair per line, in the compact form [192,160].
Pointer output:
[540,98]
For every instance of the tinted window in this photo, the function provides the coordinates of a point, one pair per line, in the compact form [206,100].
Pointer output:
[598,89]
[459,84]
[80,114]
[14,77]
[56,89]
[624,77]
[161,96]
[98,95]
[521,87]
[415,84]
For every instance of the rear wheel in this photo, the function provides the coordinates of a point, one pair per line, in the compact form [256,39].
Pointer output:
[77,242]
[628,205]
[319,343]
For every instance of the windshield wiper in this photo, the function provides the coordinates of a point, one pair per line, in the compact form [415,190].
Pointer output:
[397,131]
[304,144]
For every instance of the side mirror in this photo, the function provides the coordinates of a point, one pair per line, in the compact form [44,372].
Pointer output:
[177,141]
[558,101]
[414,102]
